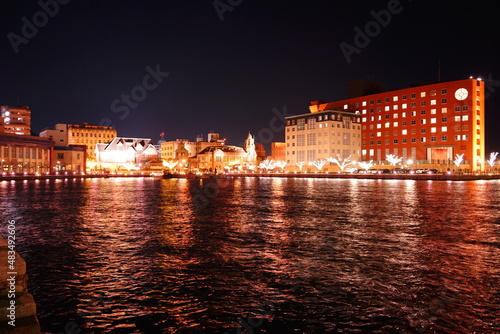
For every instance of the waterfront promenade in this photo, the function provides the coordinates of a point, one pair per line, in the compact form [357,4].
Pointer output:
[380,176]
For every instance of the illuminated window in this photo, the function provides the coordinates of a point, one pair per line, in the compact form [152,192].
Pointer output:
[395,124]
[444,129]
[403,114]
[422,94]
[395,115]
[433,120]
[444,110]
[404,106]
[387,108]
[433,102]
[404,132]
[379,126]
[363,111]
[379,134]
[465,117]
[387,124]
[433,130]
[422,139]
[363,103]
[423,121]
[457,137]
[395,98]
[433,111]
[465,137]
[345,106]
[395,107]
[457,118]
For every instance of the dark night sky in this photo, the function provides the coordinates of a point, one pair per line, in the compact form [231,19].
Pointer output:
[227,76]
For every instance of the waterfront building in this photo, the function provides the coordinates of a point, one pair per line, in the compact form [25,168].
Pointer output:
[69,158]
[320,135]
[124,153]
[15,120]
[25,154]
[428,124]
[80,134]
[210,155]
[171,150]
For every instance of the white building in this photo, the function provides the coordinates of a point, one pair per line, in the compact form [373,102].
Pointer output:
[126,151]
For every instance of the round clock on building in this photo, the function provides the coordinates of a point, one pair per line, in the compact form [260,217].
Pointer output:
[461,94]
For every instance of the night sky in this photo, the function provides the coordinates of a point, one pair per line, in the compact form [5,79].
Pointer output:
[228,75]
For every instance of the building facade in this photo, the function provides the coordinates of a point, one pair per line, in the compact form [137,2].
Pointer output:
[80,134]
[278,151]
[25,154]
[428,124]
[69,158]
[15,120]
[322,134]
[125,153]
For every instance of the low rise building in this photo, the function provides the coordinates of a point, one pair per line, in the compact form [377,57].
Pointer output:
[124,153]
[25,154]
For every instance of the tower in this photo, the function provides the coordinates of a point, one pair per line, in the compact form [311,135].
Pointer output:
[250,148]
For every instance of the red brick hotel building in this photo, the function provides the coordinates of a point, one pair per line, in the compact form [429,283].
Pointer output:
[428,124]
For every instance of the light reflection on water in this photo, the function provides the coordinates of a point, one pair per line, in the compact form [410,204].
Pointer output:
[320,255]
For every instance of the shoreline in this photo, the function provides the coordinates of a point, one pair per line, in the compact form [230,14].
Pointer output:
[388,176]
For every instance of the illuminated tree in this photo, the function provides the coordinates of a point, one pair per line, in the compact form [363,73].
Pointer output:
[281,164]
[393,159]
[169,164]
[459,158]
[366,165]
[319,164]
[491,160]
[341,162]
[268,164]
[300,164]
